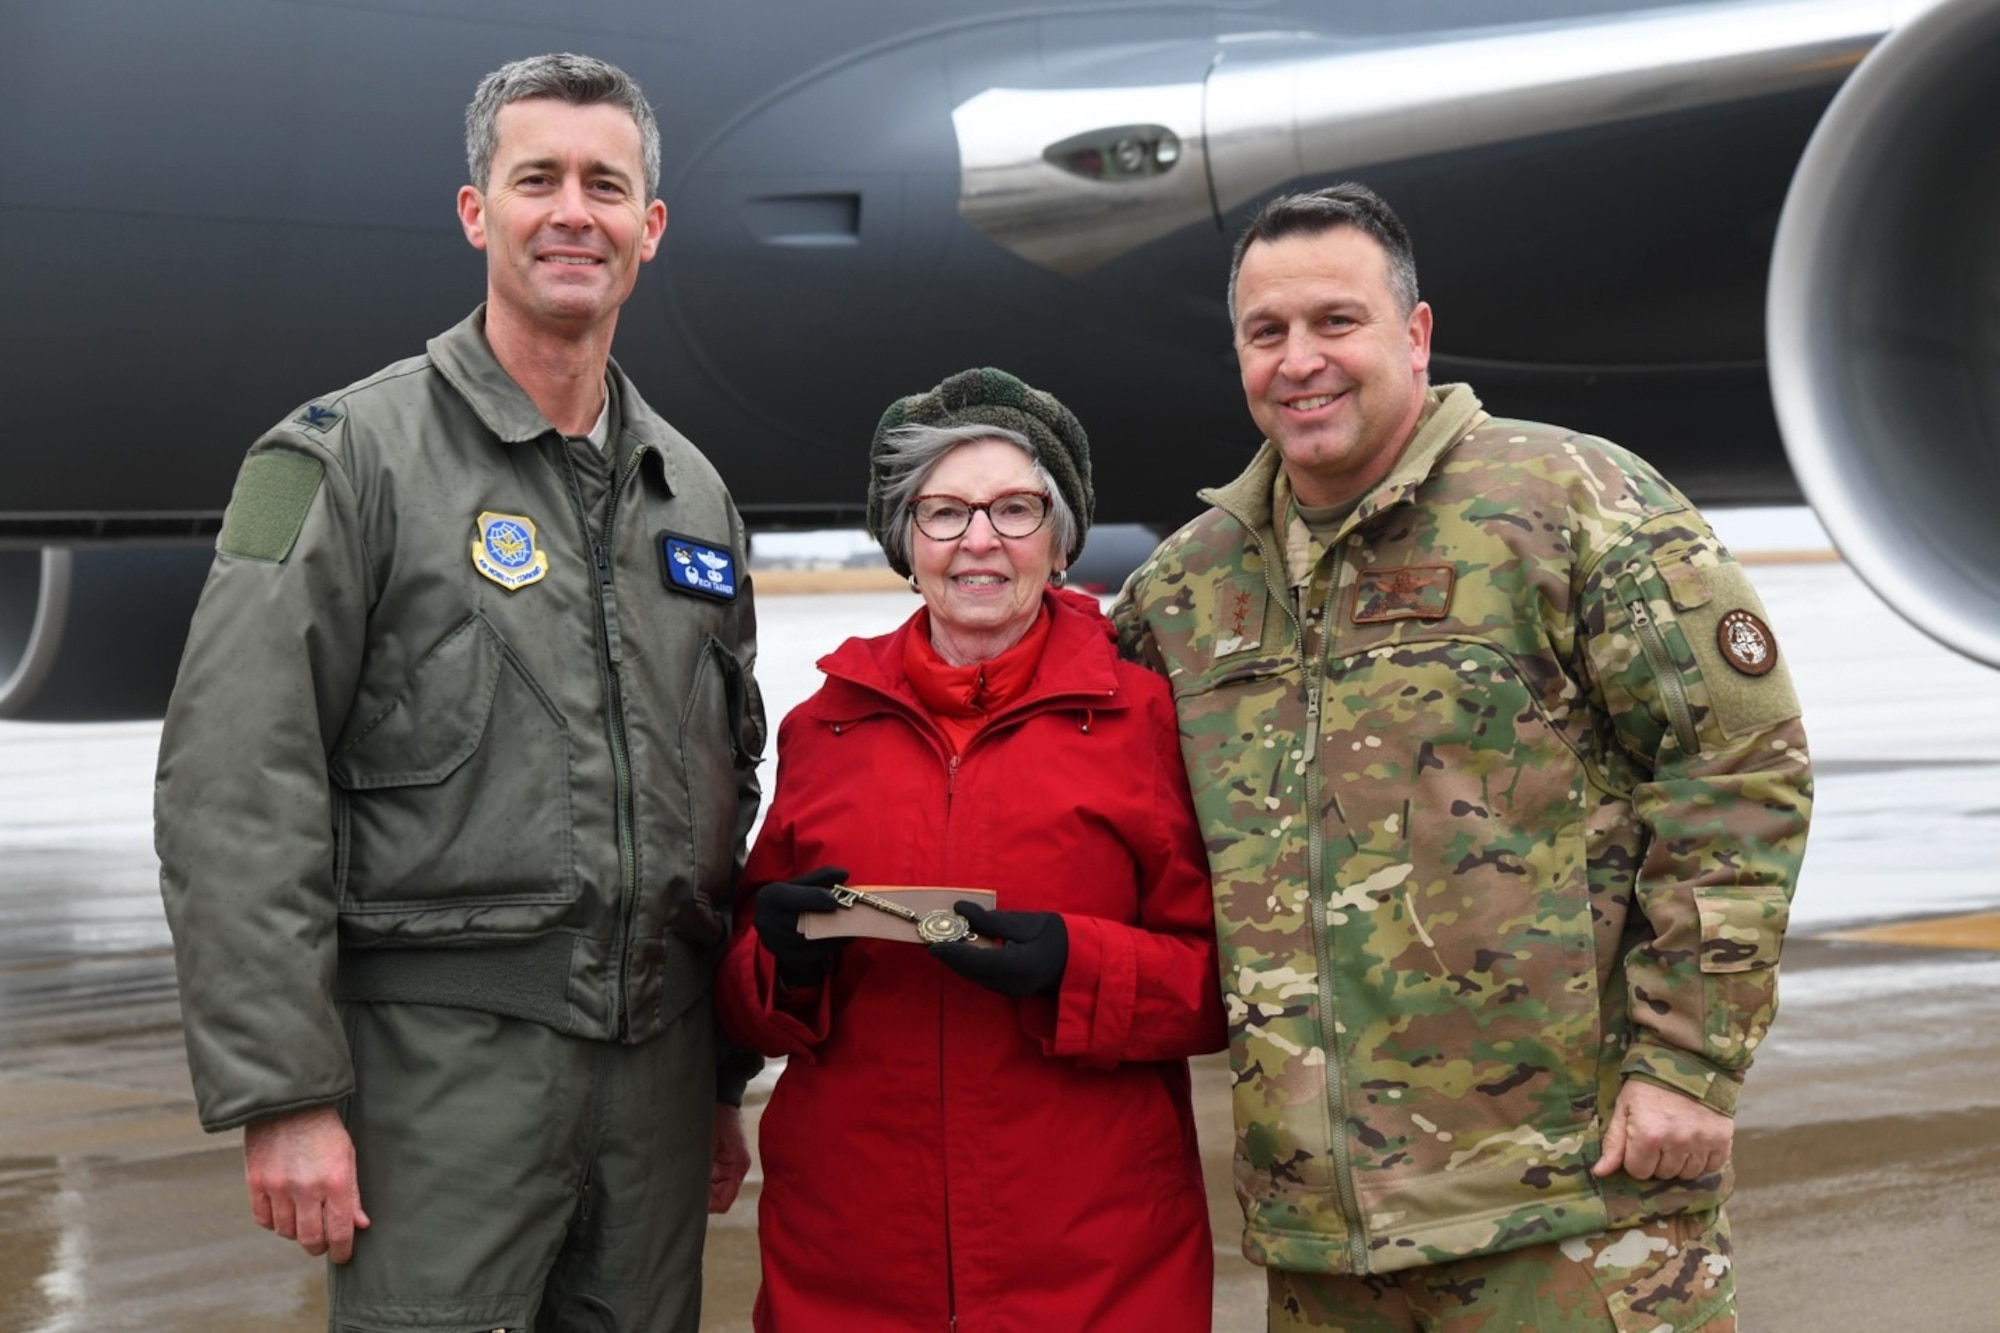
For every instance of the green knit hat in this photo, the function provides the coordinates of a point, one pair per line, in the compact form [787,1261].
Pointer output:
[988,397]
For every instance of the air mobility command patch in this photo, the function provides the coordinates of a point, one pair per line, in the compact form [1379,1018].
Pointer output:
[688,565]
[1414,592]
[505,550]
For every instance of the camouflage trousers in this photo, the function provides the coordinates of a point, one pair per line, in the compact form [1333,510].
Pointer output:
[1671,1275]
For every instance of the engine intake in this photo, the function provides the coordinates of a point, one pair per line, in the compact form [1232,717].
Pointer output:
[1883,323]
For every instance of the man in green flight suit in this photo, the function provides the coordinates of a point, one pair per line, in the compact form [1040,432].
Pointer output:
[458,768]
[1505,793]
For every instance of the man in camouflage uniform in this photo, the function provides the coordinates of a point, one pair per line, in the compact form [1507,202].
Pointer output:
[1505,793]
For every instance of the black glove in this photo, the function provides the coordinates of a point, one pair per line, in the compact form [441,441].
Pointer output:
[1034,950]
[801,962]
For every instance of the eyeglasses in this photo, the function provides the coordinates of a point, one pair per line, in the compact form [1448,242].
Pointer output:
[945,518]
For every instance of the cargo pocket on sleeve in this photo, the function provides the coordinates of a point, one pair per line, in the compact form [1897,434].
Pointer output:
[1741,934]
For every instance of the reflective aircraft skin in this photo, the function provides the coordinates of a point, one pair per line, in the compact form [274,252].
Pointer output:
[221,207]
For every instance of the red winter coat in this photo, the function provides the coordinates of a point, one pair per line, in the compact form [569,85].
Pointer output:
[933,1148]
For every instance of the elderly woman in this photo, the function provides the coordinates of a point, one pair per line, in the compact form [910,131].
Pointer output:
[990,1134]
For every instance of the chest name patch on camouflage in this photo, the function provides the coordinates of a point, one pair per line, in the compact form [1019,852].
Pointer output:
[1412,592]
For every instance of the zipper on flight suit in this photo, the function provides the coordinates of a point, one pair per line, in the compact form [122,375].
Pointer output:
[609,654]
[1673,690]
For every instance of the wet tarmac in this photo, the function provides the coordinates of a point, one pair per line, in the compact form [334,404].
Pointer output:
[1869,1139]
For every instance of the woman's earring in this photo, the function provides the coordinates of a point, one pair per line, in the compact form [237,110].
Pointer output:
[913,586]
[1058,577]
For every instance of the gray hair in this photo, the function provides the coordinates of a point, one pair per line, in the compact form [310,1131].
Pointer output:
[577,80]
[1348,204]
[915,452]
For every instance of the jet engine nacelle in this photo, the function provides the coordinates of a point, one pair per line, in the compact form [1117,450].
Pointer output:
[1883,323]
[94,634]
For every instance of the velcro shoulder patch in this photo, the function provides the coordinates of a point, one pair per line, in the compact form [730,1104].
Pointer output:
[274,492]
[1749,684]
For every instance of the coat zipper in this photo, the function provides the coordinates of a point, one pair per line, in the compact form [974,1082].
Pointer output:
[1021,709]
[1313,663]
[944,1120]
[1673,690]
[1357,1248]
[609,648]
[944,1052]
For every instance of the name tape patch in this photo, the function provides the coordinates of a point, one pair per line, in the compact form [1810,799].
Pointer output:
[1414,592]
[506,552]
[690,565]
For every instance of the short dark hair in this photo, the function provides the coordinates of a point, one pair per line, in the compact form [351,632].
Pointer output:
[577,80]
[1348,204]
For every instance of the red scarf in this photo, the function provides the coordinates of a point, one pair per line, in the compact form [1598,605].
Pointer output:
[960,699]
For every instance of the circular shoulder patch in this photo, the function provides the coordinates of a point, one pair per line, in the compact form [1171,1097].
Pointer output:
[1746,643]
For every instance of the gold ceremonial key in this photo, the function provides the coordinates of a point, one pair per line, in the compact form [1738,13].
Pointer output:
[939,927]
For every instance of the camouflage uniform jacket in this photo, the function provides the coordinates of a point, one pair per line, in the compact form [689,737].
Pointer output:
[1509,812]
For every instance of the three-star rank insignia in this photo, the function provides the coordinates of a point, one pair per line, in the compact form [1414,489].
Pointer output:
[702,568]
[1746,643]
[505,550]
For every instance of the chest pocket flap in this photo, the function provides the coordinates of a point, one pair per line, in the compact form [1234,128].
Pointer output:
[436,723]
[457,792]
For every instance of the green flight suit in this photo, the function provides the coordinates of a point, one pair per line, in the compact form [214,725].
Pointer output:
[466,720]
